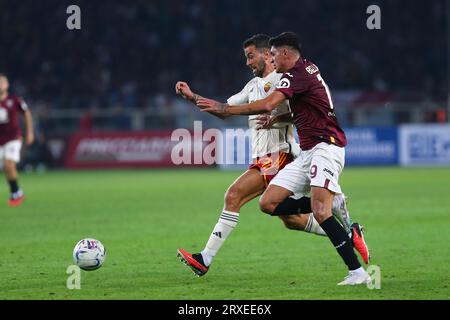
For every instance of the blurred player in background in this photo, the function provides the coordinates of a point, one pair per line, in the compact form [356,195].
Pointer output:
[273,147]
[11,107]
[322,141]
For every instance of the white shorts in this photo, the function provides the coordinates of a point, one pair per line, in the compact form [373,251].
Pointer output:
[318,167]
[10,151]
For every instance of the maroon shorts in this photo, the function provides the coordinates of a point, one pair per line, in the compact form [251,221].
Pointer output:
[269,165]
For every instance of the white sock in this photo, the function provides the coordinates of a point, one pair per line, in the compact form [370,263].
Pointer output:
[227,221]
[314,227]
[17,194]
[359,270]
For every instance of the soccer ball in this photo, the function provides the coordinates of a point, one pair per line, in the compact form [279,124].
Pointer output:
[89,254]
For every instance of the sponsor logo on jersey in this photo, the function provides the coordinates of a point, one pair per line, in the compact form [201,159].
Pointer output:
[9,103]
[284,83]
[329,171]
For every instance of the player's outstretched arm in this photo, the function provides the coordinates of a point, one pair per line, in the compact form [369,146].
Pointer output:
[182,89]
[257,107]
[29,137]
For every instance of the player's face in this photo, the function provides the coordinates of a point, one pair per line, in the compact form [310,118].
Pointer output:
[4,85]
[255,60]
[278,59]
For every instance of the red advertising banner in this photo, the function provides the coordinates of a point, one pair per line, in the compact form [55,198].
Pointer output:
[147,149]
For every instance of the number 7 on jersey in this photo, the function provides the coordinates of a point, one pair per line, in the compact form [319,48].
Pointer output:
[319,77]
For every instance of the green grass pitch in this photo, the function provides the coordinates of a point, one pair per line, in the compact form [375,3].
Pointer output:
[143,216]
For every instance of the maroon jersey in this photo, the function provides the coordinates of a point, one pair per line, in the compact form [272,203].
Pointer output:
[311,106]
[10,108]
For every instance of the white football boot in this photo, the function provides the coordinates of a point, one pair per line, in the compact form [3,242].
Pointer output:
[358,276]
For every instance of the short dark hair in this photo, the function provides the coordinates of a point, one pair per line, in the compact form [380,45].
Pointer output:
[288,39]
[260,41]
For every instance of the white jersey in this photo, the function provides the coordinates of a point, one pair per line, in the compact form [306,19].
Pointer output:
[265,141]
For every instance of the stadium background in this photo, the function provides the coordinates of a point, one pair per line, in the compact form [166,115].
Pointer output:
[111,86]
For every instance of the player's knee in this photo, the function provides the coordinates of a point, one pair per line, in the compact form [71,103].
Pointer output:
[321,212]
[9,167]
[267,206]
[233,196]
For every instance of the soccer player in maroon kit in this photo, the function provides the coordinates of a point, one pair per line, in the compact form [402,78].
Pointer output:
[11,107]
[322,142]
[279,140]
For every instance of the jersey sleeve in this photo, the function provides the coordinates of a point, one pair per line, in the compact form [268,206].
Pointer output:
[293,82]
[21,105]
[240,98]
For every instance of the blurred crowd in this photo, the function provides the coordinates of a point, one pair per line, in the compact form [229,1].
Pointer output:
[129,53]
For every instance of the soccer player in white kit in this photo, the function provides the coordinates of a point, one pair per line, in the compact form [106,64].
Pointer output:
[322,142]
[273,147]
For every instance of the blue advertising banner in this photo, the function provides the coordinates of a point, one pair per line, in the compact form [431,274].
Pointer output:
[366,146]
[406,145]
[371,146]
[422,144]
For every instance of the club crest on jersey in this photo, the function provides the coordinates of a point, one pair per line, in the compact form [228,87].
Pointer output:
[284,83]
[9,103]
[267,86]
